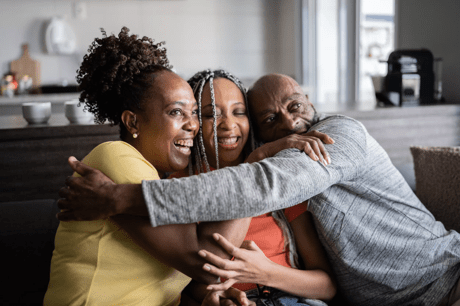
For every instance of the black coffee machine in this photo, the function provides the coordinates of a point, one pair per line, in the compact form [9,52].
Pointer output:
[410,79]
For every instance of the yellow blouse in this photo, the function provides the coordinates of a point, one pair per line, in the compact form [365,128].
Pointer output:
[96,262]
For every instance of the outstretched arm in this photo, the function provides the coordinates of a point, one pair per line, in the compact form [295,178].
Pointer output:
[98,197]
[282,181]
[246,190]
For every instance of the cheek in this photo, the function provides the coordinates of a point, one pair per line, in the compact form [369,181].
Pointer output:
[244,126]
[208,132]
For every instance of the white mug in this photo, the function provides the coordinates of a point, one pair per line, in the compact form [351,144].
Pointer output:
[36,112]
[75,113]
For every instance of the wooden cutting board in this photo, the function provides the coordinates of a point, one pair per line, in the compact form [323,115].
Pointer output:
[25,65]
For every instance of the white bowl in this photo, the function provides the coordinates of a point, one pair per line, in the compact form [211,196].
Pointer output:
[36,112]
[77,114]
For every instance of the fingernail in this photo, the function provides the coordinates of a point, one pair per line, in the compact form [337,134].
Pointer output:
[328,159]
[209,288]
[215,236]
[202,253]
[207,267]
[332,140]
[315,157]
[244,302]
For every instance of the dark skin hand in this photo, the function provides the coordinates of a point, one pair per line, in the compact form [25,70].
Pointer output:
[94,196]
[312,143]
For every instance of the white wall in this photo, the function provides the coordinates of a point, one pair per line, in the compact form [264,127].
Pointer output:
[433,24]
[237,35]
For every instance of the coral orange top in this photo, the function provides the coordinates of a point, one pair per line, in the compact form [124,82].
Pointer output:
[266,233]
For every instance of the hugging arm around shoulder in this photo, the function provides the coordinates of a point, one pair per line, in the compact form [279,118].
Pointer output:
[247,190]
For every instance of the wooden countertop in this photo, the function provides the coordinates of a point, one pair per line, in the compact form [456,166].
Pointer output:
[15,127]
[53,98]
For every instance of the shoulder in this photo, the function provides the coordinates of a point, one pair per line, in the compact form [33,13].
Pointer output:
[112,149]
[342,129]
[121,162]
[338,121]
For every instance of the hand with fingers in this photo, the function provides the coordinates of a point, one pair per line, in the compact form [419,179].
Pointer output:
[228,297]
[88,197]
[249,265]
[312,143]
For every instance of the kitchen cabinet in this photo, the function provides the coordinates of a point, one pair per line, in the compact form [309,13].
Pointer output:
[33,158]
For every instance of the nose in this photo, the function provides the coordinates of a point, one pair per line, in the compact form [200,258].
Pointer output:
[227,122]
[191,124]
[289,122]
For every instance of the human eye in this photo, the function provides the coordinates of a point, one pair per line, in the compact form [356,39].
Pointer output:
[269,119]
[176,112]
[240,112]
[296,106]
[195,112]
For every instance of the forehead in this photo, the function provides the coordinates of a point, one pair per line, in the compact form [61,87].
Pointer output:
[274,91]
[168,87]
[224,91]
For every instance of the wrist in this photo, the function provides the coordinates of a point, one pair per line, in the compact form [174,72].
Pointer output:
[134,202]
[270,275]
[128,199]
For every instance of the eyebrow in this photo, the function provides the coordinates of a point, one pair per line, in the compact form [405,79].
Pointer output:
[242,103]
[180,103]
[285,101]
[292,97]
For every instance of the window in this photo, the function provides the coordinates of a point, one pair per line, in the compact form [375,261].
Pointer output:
[344,43]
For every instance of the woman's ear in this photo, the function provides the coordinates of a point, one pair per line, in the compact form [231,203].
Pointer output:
[130,121]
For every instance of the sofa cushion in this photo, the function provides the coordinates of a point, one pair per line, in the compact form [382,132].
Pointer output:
[437,179]
[27,230]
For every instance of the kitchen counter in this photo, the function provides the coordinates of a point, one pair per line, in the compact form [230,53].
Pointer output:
[15,127]
[33,158]
[53,98]
[13,106]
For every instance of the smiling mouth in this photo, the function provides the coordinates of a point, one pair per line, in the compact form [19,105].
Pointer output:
[184,145]
[228,143]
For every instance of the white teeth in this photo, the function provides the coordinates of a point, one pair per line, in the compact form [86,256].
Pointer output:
[184,150]
[228,140]
[184,142]
[184,145]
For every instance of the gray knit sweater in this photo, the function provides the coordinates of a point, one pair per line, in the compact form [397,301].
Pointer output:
[384,246]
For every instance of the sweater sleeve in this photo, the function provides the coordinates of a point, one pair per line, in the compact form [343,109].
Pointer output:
[288,178]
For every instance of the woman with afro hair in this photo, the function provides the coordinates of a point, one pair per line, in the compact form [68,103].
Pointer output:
[128,81]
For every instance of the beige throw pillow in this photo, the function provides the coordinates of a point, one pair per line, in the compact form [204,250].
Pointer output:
[437,182]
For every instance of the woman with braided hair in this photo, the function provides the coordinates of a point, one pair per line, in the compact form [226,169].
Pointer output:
[127,81]
[226,139]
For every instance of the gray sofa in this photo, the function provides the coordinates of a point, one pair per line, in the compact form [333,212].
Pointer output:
[27,230]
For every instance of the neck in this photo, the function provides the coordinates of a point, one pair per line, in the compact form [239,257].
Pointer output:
[133,142]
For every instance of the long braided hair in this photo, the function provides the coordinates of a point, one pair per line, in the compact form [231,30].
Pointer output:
[197,82]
